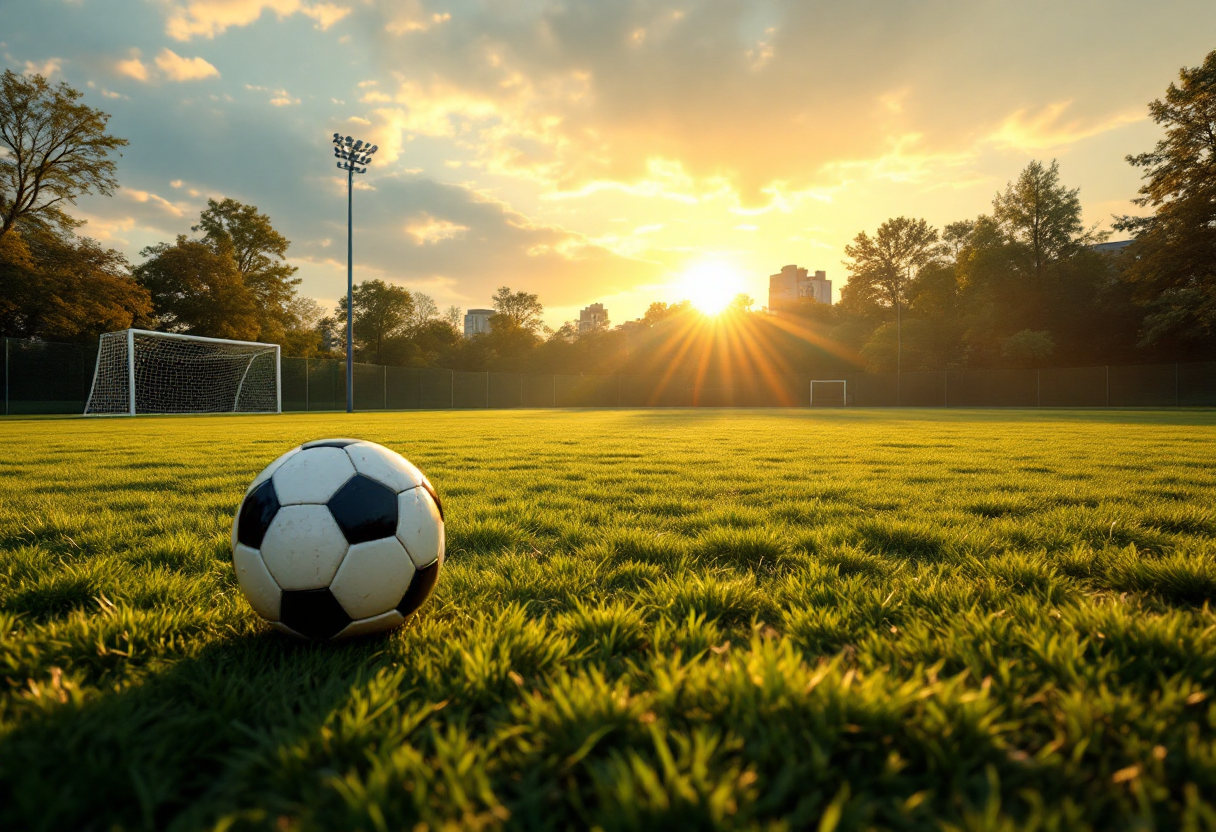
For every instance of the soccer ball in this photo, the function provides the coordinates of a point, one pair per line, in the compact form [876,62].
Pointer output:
[338,538]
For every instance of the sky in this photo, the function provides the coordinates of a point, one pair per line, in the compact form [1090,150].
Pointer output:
[602,150]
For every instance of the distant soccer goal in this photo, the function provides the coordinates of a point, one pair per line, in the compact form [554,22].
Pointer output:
[163,372]
[829,393]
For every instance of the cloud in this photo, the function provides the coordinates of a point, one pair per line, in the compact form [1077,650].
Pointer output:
[466,243]
[427,229]
[47,69]
[325,14]
[132,67]
[153,199]
[1049,128]
[583,97]
[208,18]
[176,68]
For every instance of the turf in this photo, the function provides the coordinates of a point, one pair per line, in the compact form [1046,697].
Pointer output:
[649,619]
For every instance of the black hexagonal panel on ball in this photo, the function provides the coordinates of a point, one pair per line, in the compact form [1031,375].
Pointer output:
[257,511]
[420,588]
[313,613]
[365,510]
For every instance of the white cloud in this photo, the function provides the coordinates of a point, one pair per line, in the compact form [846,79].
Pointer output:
[176,68]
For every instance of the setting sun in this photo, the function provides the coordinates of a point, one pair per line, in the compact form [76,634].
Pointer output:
[711,286]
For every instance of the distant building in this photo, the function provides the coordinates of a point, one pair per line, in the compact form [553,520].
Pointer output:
[1110,248]
[792,283]
[592,318]
[477,321]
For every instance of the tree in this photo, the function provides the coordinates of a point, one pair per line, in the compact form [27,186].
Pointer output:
[425,310]
[1028,347]
[382,312]
[196,289]
[59,286]
[56,150]
[1042,216]
[1171,265]
[260,253]
[660,311]
[883,265]
[742,302]
[522,309]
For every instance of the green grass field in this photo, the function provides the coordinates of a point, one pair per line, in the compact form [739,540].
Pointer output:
[648,619]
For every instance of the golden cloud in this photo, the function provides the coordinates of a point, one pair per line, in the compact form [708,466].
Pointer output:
[176,68]
[430,230]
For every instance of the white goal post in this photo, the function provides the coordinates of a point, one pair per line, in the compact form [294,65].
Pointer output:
[163,372]
[844,390]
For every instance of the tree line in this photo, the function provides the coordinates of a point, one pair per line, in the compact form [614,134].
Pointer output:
[1025,284]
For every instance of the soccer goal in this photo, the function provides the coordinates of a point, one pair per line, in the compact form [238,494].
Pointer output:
[163,372]
[829,393]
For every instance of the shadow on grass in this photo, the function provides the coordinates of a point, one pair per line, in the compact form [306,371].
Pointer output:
[177,743]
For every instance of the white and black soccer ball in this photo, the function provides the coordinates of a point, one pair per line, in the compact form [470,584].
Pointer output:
[337,538]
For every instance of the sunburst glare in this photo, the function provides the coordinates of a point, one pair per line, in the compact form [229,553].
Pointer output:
[711,286]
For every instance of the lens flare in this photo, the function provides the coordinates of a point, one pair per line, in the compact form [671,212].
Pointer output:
[711,286]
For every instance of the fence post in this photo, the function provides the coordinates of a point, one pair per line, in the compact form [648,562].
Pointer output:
[385,368]
[1038,388]
[553,378]
[521,389]
[306,403]
[452,389]
[618,389]
[1177,392]
[945,388]
[6,373]
[487,389]
[1108,385]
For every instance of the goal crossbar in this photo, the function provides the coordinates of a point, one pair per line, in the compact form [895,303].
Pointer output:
[141,371]
[844,389]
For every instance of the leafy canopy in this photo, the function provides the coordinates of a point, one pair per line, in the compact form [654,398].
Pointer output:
[883,265]
[1172,263]
[56,150]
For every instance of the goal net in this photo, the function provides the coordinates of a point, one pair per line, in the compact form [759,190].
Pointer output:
[829,393]
[161,372]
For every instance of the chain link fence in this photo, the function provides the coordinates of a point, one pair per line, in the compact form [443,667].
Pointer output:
[47,378]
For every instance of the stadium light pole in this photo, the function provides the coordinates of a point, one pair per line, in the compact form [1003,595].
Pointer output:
[353,157]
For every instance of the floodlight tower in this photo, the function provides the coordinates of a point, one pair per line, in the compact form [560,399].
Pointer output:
[351,155]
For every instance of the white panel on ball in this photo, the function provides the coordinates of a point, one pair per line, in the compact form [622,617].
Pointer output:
[303,547]
[383,465]
[373,577]
[375,624]
[312,476]
[419,527]
[256,582]
[269,470]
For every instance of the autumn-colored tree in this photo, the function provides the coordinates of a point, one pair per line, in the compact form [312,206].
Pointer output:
[57,286]
[197,289]
[55,150]
[260,253]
